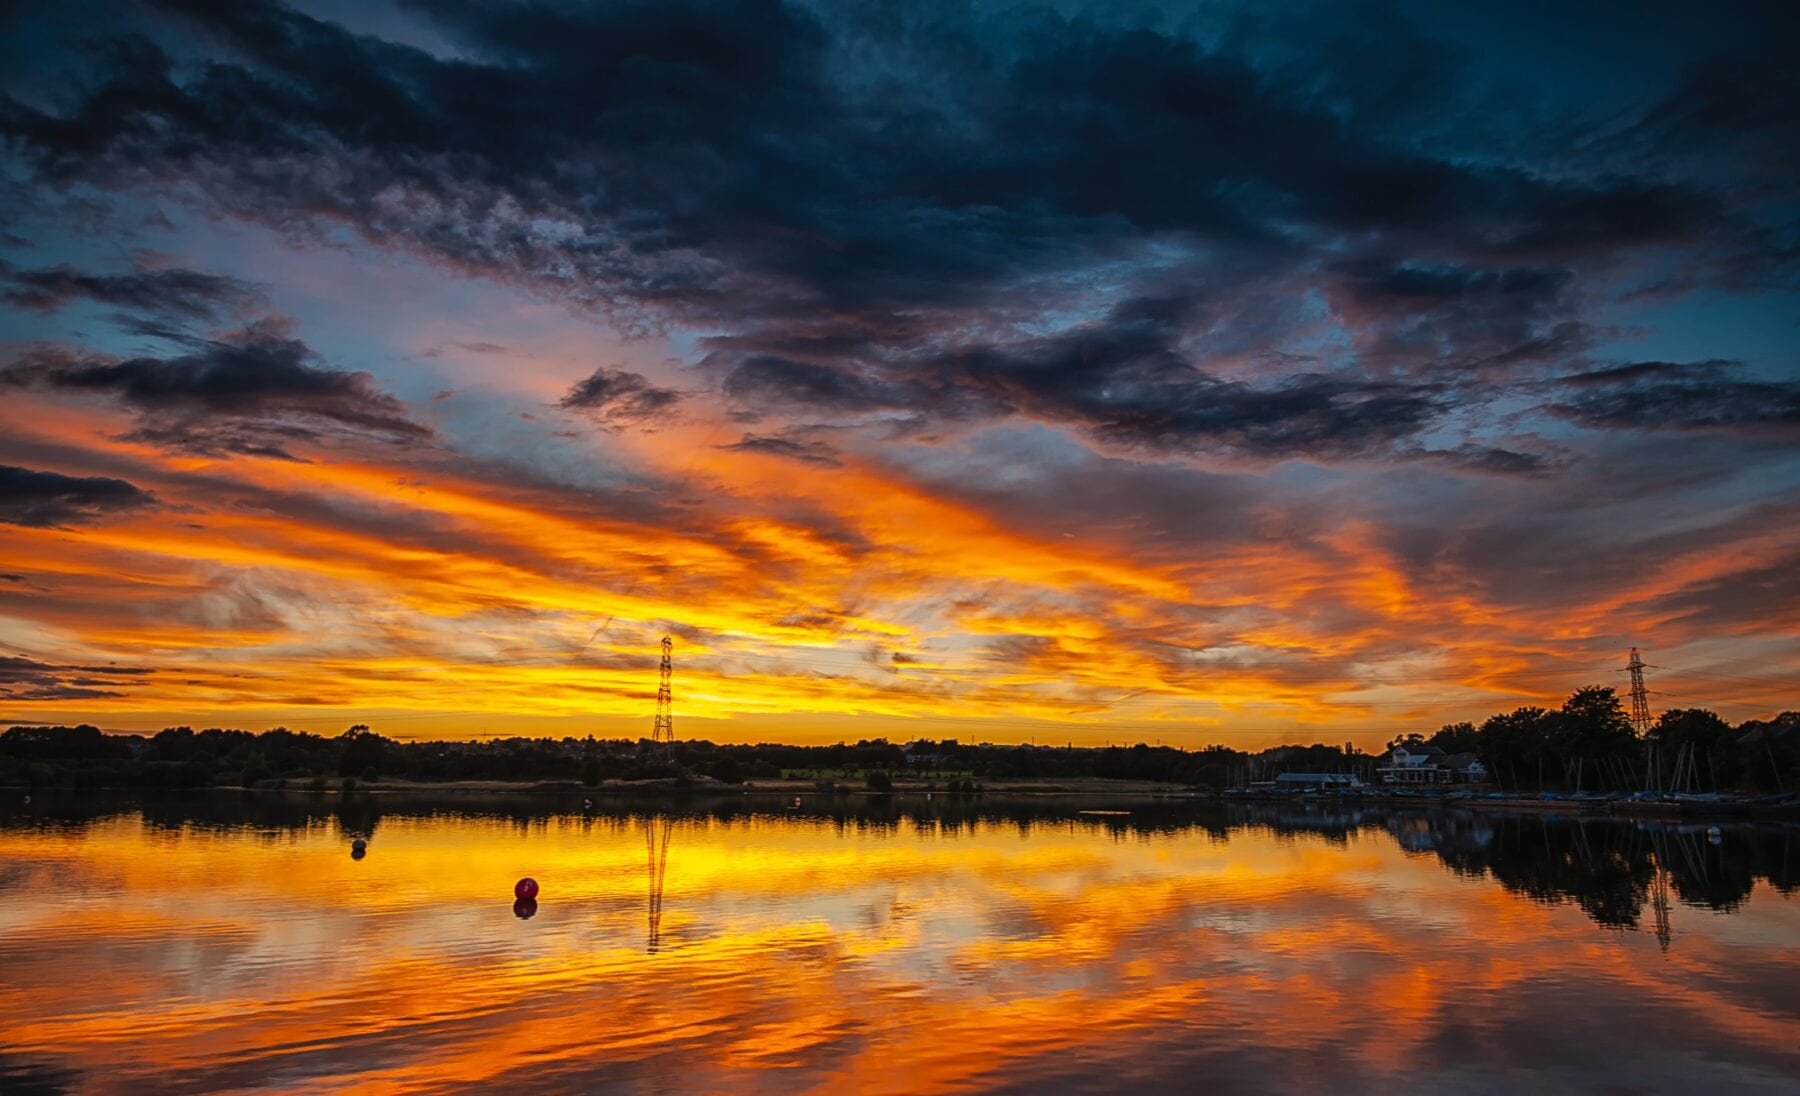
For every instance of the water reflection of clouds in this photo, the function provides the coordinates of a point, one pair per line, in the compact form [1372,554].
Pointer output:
[874,957]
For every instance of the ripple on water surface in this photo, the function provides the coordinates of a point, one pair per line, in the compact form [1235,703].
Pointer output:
[199,943]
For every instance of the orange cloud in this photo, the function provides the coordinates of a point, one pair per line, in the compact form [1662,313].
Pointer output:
[402,581]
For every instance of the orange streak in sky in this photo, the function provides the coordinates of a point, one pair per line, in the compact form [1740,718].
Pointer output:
[344,583]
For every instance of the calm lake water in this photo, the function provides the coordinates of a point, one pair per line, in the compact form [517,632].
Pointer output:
[207,943]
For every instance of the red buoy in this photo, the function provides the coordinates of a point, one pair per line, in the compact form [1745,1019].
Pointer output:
[524,908]
[525,888]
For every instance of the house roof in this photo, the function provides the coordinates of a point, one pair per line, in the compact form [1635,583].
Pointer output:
[1421,751]
[1460,761]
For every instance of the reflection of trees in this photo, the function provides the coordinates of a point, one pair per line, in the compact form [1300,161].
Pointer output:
[357,816]
[1701,873]
[1619,872]
[1607,867]
[1606,874]
[215,812]
[1603,867]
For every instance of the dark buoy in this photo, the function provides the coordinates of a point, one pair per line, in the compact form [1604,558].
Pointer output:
[524,908]
[358,849]
[526,890]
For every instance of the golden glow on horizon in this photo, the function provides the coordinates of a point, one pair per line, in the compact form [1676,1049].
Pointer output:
[313,592]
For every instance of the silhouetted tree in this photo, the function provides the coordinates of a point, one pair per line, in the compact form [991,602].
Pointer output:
[363,753]
[1457,738]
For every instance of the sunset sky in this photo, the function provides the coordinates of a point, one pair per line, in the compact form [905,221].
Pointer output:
[1199,373]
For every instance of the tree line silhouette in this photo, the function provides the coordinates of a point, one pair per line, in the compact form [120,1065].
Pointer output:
[1587,742]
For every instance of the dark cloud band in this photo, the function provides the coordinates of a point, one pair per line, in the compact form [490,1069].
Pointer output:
[37,498]
[255,391]
[928,194]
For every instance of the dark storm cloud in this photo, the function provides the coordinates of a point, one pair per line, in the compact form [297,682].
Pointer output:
[617,397]
[1681,396]
[1491,459]
[1438,317]
[174,295]
[1155,401]
[879,208]
[251,392]
[731,126]
[35,498]
[1737,111]
[1126,383]
[776,382]
[28,679]
[807,452]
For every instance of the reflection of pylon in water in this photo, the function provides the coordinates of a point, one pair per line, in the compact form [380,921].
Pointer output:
[656,847]
[1659,902]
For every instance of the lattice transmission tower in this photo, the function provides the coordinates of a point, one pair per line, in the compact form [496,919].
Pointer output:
[1640,698]
[663,734]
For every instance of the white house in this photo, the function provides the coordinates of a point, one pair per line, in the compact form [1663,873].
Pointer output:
[1430,765]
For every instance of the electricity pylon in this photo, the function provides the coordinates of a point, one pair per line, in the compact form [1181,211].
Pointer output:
[663,734]
[1640,699]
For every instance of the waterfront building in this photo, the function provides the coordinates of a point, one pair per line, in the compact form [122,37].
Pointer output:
[1412,765]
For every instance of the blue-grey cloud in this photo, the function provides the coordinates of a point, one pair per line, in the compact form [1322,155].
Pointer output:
[883,209]
[172,295]
[807,451]
[1691,396]
[24,678]
[618,397]
[255,391]
[38,498]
